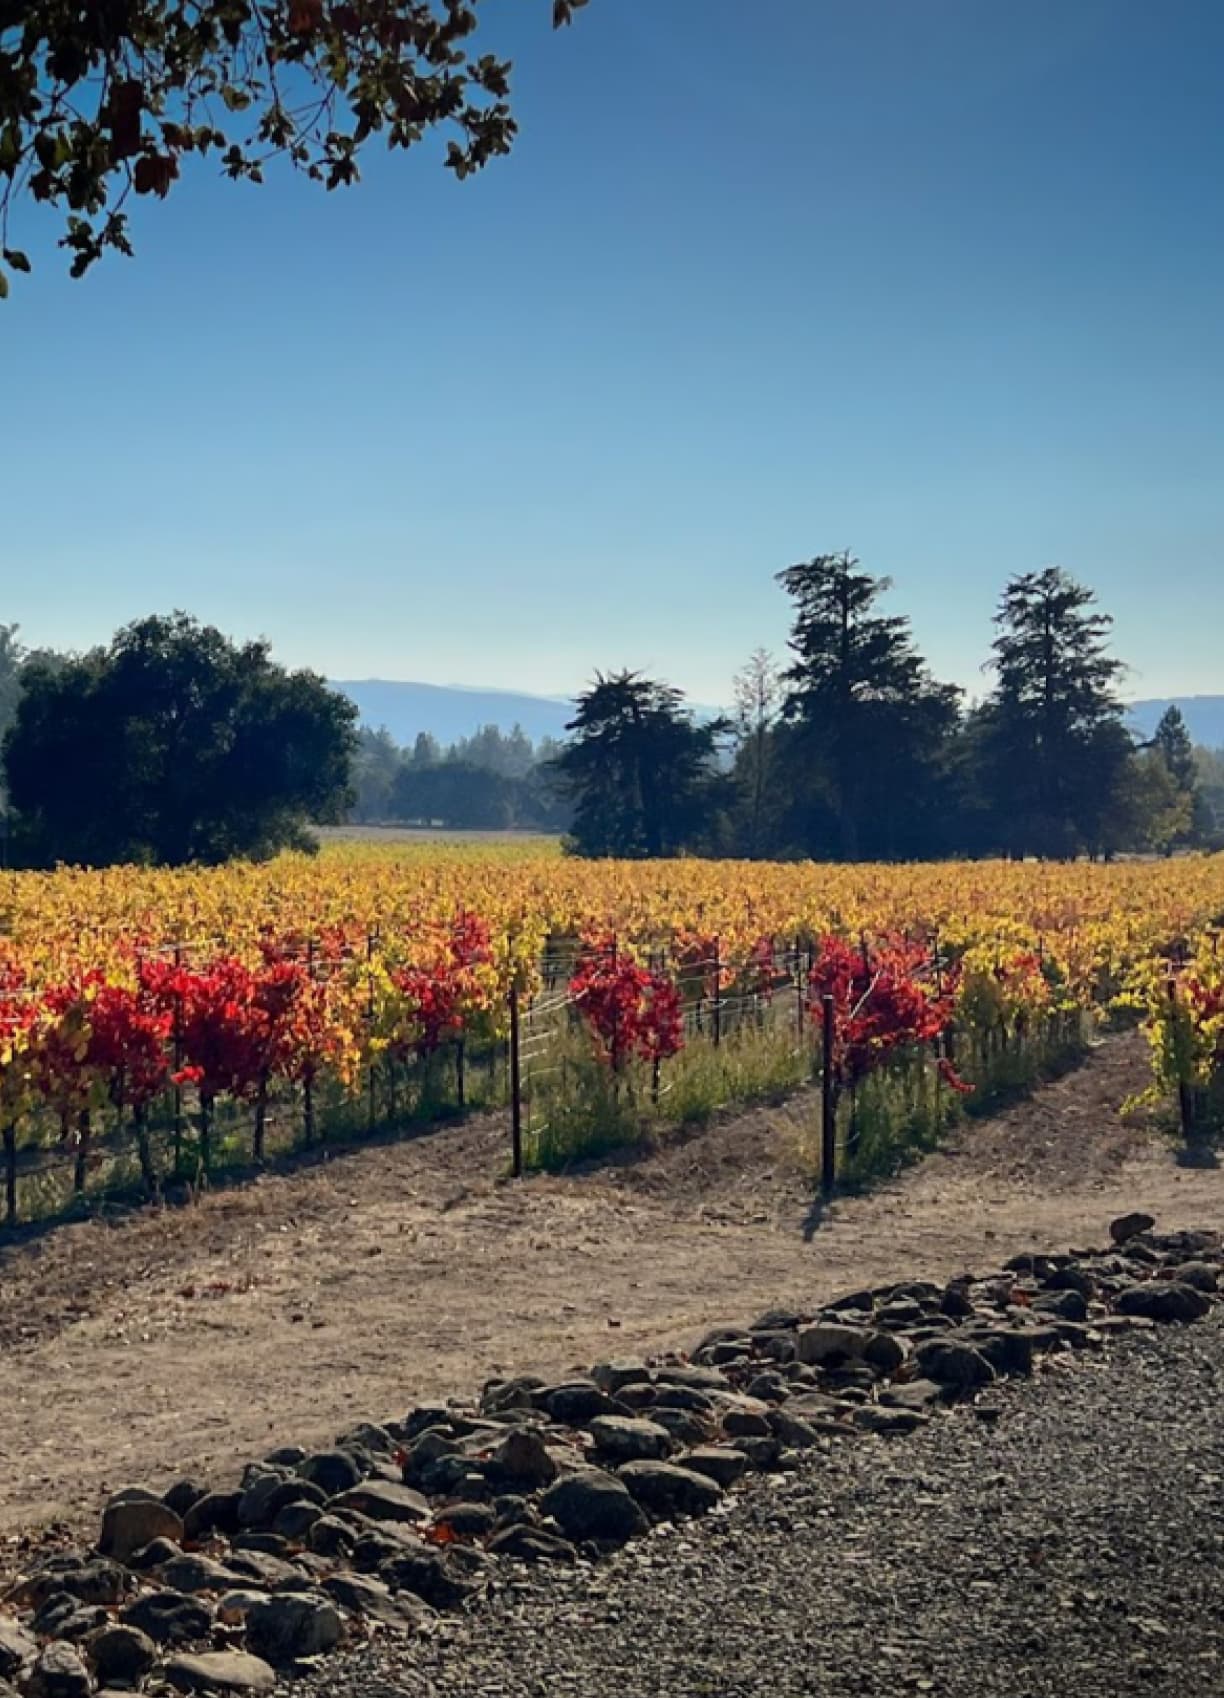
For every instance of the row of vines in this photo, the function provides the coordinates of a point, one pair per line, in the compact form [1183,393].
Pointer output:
[159,1027]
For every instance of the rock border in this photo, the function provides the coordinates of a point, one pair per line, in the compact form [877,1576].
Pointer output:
[201,1590]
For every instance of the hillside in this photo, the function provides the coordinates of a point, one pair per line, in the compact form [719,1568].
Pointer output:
[451,711]
[1204,717]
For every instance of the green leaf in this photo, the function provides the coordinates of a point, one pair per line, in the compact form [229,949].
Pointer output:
[15,258]
[4,287]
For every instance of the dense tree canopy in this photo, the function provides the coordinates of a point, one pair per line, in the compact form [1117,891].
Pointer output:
[641,773]
[173,745]
[109,99]
[868,723]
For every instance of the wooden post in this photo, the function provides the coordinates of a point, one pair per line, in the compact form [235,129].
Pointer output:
[516,1086]
[828,1100]
[460,1084]
[1185,1096]
[178,1064]
[717,1009]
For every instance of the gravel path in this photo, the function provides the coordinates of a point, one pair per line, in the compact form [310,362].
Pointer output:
[1073,1546]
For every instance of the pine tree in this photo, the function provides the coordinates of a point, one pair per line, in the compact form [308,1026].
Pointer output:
[869,724]
[639,770]
[1056,753]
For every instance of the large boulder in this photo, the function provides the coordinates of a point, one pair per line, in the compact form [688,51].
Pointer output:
[1164,1300]
[593,1505]
[624,1438]
[17,1648]
[831,1343]
[220,1671]
[132,1519]
[1126,1227]
[383,1500]
[121,1655]
[333,1471]
[522,1459]
[292,1625]
[59,1673]
[665,1490]
[952,1364]
[169,1618]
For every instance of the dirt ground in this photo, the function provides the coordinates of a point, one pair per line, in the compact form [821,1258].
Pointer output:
[184,1342]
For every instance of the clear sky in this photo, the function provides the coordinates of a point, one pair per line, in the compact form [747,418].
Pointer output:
[941,281]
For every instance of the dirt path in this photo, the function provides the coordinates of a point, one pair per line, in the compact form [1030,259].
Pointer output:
[186,1341]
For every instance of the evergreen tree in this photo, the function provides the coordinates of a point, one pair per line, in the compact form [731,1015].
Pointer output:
[1056,756]
[1171,744]
[869,725]
[639,770]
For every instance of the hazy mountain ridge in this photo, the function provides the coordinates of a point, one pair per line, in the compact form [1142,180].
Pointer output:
[451,711]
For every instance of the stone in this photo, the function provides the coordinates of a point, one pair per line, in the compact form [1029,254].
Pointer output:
[194,1573]
[383,1500]
[888,1423]
[17,1648]
[182,1495]
[1126,1227]
[330,1537]
[1071,1278]
[132,1519]
[64,1617]
[769,1387]
[723,1464]
[367,1436]
[262,1567]
[254,1505]
[215,1512]
[625,1438]
[612,1377]
[1009,1351]
[531,1544]
[956,1302]
[362,1594]
[1164,1300]
[152,1556]
[828,1343]
[469,1520]
[292,1625]
[697,1379]
[443,1578]
[286,1456]
[169,1618]
[265,1544]
[576,1402]
[792,1431]
[220,1671]
[885,1352]
[593,1505]
[58,1672]
[1068,1305]
[121,1655]
[233,1607]
[685,1428]
[922,1395]
[333,1471]
[523,1459]
[747,1423]
[665,1490]
[294,1520]
[1203,1276]
[689,1398]
[953,1364]
[760,1453]
[902,1312]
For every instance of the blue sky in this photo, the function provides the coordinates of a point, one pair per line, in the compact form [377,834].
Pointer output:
[936,280]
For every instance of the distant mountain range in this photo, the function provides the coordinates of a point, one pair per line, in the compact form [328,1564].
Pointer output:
[1204,717]
[451,711]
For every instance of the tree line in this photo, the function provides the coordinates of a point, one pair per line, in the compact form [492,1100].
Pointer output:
[491,781]
[172,744]
[851,749]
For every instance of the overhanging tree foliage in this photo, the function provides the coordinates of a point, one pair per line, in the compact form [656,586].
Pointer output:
[172,745]
[109,98]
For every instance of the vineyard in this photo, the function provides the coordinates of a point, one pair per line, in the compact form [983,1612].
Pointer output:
[160,1026]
